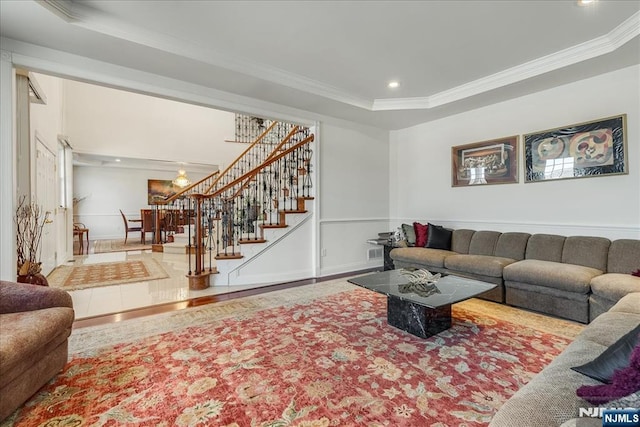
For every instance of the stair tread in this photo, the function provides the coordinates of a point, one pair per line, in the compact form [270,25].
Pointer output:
[229,256]
[248,241]
[273,225]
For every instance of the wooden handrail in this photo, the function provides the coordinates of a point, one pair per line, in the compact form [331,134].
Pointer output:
[253,144]
[184,190]
[255,170]
[275,150]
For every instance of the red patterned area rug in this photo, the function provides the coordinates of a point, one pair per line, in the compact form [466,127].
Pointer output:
[319,355]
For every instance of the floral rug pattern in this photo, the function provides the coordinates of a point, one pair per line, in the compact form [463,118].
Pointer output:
[329,362]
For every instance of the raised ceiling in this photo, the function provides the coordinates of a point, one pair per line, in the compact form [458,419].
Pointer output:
[335,58]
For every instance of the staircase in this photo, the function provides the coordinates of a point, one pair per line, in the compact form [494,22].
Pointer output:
[233,217]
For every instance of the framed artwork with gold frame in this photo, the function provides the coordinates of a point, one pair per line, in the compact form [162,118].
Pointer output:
[488,162]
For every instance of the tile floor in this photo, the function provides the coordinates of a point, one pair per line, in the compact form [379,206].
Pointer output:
[118,298]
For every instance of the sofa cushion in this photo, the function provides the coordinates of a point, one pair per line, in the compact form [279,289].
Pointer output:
[24,334]
[409,234]
[567,277]
[624,256]
[460,240]
[421,256]
[586,251]
[483,265]
[615,357]
[421,231]
[512,245]
[483,242]
[614,286]
[438,237]
[628,304]
[545,247]
[624,382]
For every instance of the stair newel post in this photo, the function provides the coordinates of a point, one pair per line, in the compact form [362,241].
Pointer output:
[198,238]
[198,278]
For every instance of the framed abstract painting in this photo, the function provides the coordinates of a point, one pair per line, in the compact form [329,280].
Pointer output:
[596,148]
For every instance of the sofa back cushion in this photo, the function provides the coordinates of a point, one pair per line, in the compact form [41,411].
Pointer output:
[624,256]
[512,245]
[483,242]
[460,240]
[586,251]
[545,247]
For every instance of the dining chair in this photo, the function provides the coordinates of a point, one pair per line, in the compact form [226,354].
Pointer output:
[127,228]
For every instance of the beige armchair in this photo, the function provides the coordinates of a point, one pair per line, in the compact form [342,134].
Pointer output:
[35,323]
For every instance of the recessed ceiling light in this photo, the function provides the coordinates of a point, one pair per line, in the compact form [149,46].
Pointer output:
[117,160]
[393,84]
[585,2]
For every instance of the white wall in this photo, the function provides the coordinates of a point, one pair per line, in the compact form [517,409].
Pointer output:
[107,121]
[106,190]
[354,195]
[47,119]
[46,124]
[606,206]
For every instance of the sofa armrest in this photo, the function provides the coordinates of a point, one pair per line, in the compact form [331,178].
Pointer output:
[17,297]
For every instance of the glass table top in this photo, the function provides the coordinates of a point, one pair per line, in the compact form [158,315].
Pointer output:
[447,290]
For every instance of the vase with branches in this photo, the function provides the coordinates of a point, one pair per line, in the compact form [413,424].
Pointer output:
[30,221]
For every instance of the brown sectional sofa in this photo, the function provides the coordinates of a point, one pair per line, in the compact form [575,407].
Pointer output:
[549,399]
[35,323]
[576,277]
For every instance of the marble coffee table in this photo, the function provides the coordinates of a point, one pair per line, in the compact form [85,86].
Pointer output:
[425,311]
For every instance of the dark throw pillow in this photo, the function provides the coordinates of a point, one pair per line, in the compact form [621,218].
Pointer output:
[616,357]
[624,382]
[438,237]
[421,231]
[409,234]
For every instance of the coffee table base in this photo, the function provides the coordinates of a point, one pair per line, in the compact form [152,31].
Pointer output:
[417,319]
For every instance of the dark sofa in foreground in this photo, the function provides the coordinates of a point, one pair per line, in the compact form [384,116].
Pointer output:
[35,322]
[576,277]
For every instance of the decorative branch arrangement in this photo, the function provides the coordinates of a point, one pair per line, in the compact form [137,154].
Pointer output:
[30,221]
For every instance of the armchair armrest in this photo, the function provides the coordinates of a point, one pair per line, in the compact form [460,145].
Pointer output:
[18,297]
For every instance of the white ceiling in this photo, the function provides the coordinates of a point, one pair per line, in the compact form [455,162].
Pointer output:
[99,160]
[335,57]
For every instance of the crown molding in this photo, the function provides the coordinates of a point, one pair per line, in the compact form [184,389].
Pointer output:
[91,19]
[63,9]
[602,45]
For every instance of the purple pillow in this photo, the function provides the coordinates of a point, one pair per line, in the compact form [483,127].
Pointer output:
[624,382]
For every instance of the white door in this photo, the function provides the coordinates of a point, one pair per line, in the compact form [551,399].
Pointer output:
[46,197]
